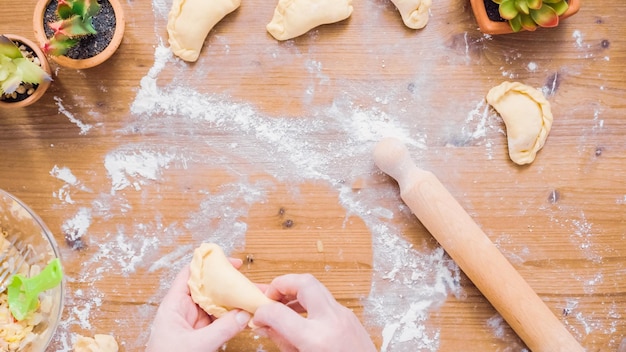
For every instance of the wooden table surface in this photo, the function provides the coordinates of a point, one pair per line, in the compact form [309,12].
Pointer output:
[265,148]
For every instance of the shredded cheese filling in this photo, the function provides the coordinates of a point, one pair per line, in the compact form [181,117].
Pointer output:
[18,335]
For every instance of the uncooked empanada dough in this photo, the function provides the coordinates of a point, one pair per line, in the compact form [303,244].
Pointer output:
[414,12]
[190,21]
[99,343]
[217,287]
[527,116]
[293,18]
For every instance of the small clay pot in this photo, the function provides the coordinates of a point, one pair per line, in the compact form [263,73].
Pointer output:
[40,34]
[488,26]
[42,87]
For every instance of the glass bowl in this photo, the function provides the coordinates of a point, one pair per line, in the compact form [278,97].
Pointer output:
[16,219]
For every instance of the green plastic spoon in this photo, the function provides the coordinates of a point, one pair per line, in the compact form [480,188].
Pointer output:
[23,292]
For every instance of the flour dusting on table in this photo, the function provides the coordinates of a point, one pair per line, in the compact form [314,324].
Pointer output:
[408,283]
[84,127]
[425,276]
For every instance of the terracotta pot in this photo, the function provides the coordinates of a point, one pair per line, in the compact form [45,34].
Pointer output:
[40,34]
[488,26]
[42,87]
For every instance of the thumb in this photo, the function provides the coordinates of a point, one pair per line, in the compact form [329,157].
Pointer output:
[282,320]
[221,330]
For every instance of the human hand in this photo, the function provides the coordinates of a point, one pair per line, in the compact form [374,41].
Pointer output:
[327,326]
[180,324]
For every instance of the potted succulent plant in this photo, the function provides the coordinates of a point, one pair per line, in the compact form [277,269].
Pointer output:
[509,16]
[79,33]
[24,72]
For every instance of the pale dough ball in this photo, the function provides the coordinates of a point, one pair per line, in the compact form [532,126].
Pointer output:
[293,18]
[99,343]
[190,21]
[527,116]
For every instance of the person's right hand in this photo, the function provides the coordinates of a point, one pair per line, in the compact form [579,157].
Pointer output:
[327,326]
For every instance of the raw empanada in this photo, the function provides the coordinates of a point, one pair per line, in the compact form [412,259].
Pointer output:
[293,18]
[217,287]
[414,12]
[190,21]
[98,343]
[527,116]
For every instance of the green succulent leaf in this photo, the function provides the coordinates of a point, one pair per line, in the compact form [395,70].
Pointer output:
[527,22]
[507,9]
[64,9]
[8,48]
[31,72]
[534,4]
[522,6]
[497,1]
[10,84]
[516,24]
[559,7]
[72,27]
[8,79]
[6,67]
[84,8]
[59,45]
[92,8]
[15,68]
[545,17]
[76,19]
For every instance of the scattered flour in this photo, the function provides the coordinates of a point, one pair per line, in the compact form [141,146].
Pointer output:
[479,127]
[131,166]
[168,260]
[84,128]
[549,89]
[425,277]
[580,43]
[64,174]
[71,182]
[578,37]
[76,227]
[408,283]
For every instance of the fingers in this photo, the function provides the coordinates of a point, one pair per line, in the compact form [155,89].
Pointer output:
[236,262]
[282,321]
[309,293]
[221,330]
[179,286]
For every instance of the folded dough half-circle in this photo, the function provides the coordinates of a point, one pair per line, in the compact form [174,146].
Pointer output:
[414,12]
[98,343]
[190,21]
[527,116]
[217,287]
[293,18]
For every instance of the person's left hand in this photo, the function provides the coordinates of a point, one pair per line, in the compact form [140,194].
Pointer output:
[181,325]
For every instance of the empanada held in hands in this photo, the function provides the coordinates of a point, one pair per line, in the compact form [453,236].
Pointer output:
[217,287]
[190,21]
[293,18]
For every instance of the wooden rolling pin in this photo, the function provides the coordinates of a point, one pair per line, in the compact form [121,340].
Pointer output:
[474,252]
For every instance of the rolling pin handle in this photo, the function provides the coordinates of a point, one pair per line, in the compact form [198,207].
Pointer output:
[393,158]
[474,252]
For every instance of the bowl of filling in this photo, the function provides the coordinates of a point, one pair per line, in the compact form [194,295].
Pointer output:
[31,285]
